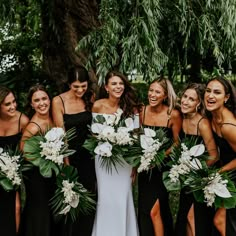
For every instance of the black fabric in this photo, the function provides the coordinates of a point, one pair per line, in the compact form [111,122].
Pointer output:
[227,154]
[8,199]
[151,188]
[84,163]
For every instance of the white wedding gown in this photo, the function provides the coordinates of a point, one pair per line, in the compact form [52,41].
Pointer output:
[115,214]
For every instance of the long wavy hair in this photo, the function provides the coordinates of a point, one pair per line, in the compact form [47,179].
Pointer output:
[4,91]
[28,108]
[79,73]
[129,100]
[229,90]
[169,91]
[200,90]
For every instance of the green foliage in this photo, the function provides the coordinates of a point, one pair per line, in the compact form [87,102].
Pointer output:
[127,38]
[86,204]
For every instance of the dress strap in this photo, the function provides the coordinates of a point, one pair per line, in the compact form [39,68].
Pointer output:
[227,124]
[144,115]
[199,124]
[36,125]
[19,129]
[168,118]
[62,103]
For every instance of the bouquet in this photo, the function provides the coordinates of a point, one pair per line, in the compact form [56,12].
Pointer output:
[149,151]
[189,170]
[185,158]
[212,187]
[48,151]
[70,196]
[111,138]
[10,170]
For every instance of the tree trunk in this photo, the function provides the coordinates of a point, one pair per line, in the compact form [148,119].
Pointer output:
[64,23]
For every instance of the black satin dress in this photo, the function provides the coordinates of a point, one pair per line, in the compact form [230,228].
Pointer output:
[85,165]
[203,215]
[8,199]
[37,218]
[151,188]
[227,154]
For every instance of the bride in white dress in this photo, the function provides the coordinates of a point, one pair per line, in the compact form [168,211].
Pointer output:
[115,214]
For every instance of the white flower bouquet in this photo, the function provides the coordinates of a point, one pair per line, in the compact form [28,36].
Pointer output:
[153,148]
[185,158]
[111,138]
[190,171]
[70,197]
[48,151]
[211,187]
[10,170]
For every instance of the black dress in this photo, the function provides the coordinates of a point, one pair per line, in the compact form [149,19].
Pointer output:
[8,199]
[37,218]
[203,215]
[227,154]
[85,165]
[150,189]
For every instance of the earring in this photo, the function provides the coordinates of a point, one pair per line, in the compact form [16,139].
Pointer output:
[107,91]
[226,101]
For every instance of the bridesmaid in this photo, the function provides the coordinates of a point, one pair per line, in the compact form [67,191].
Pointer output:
[12,124]
[37,217]
[195,218]
[73,109]
[115,214]
[153,200]
[220,101]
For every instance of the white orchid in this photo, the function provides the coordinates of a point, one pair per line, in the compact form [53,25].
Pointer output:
[187,161]
[71,198]
[55,134]
[150,145]
[216,186]
[10,165]
[103,149]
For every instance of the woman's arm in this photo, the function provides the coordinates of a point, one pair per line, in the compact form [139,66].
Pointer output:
[207,135]
[57,112]
[228,131]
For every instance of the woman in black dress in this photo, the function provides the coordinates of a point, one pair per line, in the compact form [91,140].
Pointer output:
[37,218]
[154,213]
[12,123]
[73,109]
[194,218]
[220,101]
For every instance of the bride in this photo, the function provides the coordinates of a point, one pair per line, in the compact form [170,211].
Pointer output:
[115,213]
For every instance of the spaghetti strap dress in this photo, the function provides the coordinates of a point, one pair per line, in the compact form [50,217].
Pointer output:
[8,199]
[227,154]
[115,215]
[203,215]
[150,189]
[84,163]
[37,218]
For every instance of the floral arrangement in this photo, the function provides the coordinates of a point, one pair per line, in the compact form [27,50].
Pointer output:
[48,151]
[212,187]
[189,170]
[185,158]
[10,170]
[153,149]
[111,138]
[70,196]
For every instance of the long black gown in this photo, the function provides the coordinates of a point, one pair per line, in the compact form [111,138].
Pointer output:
[37,218]
[151,188]
[8,199]
[227,154]
[203,215]
[85,165]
